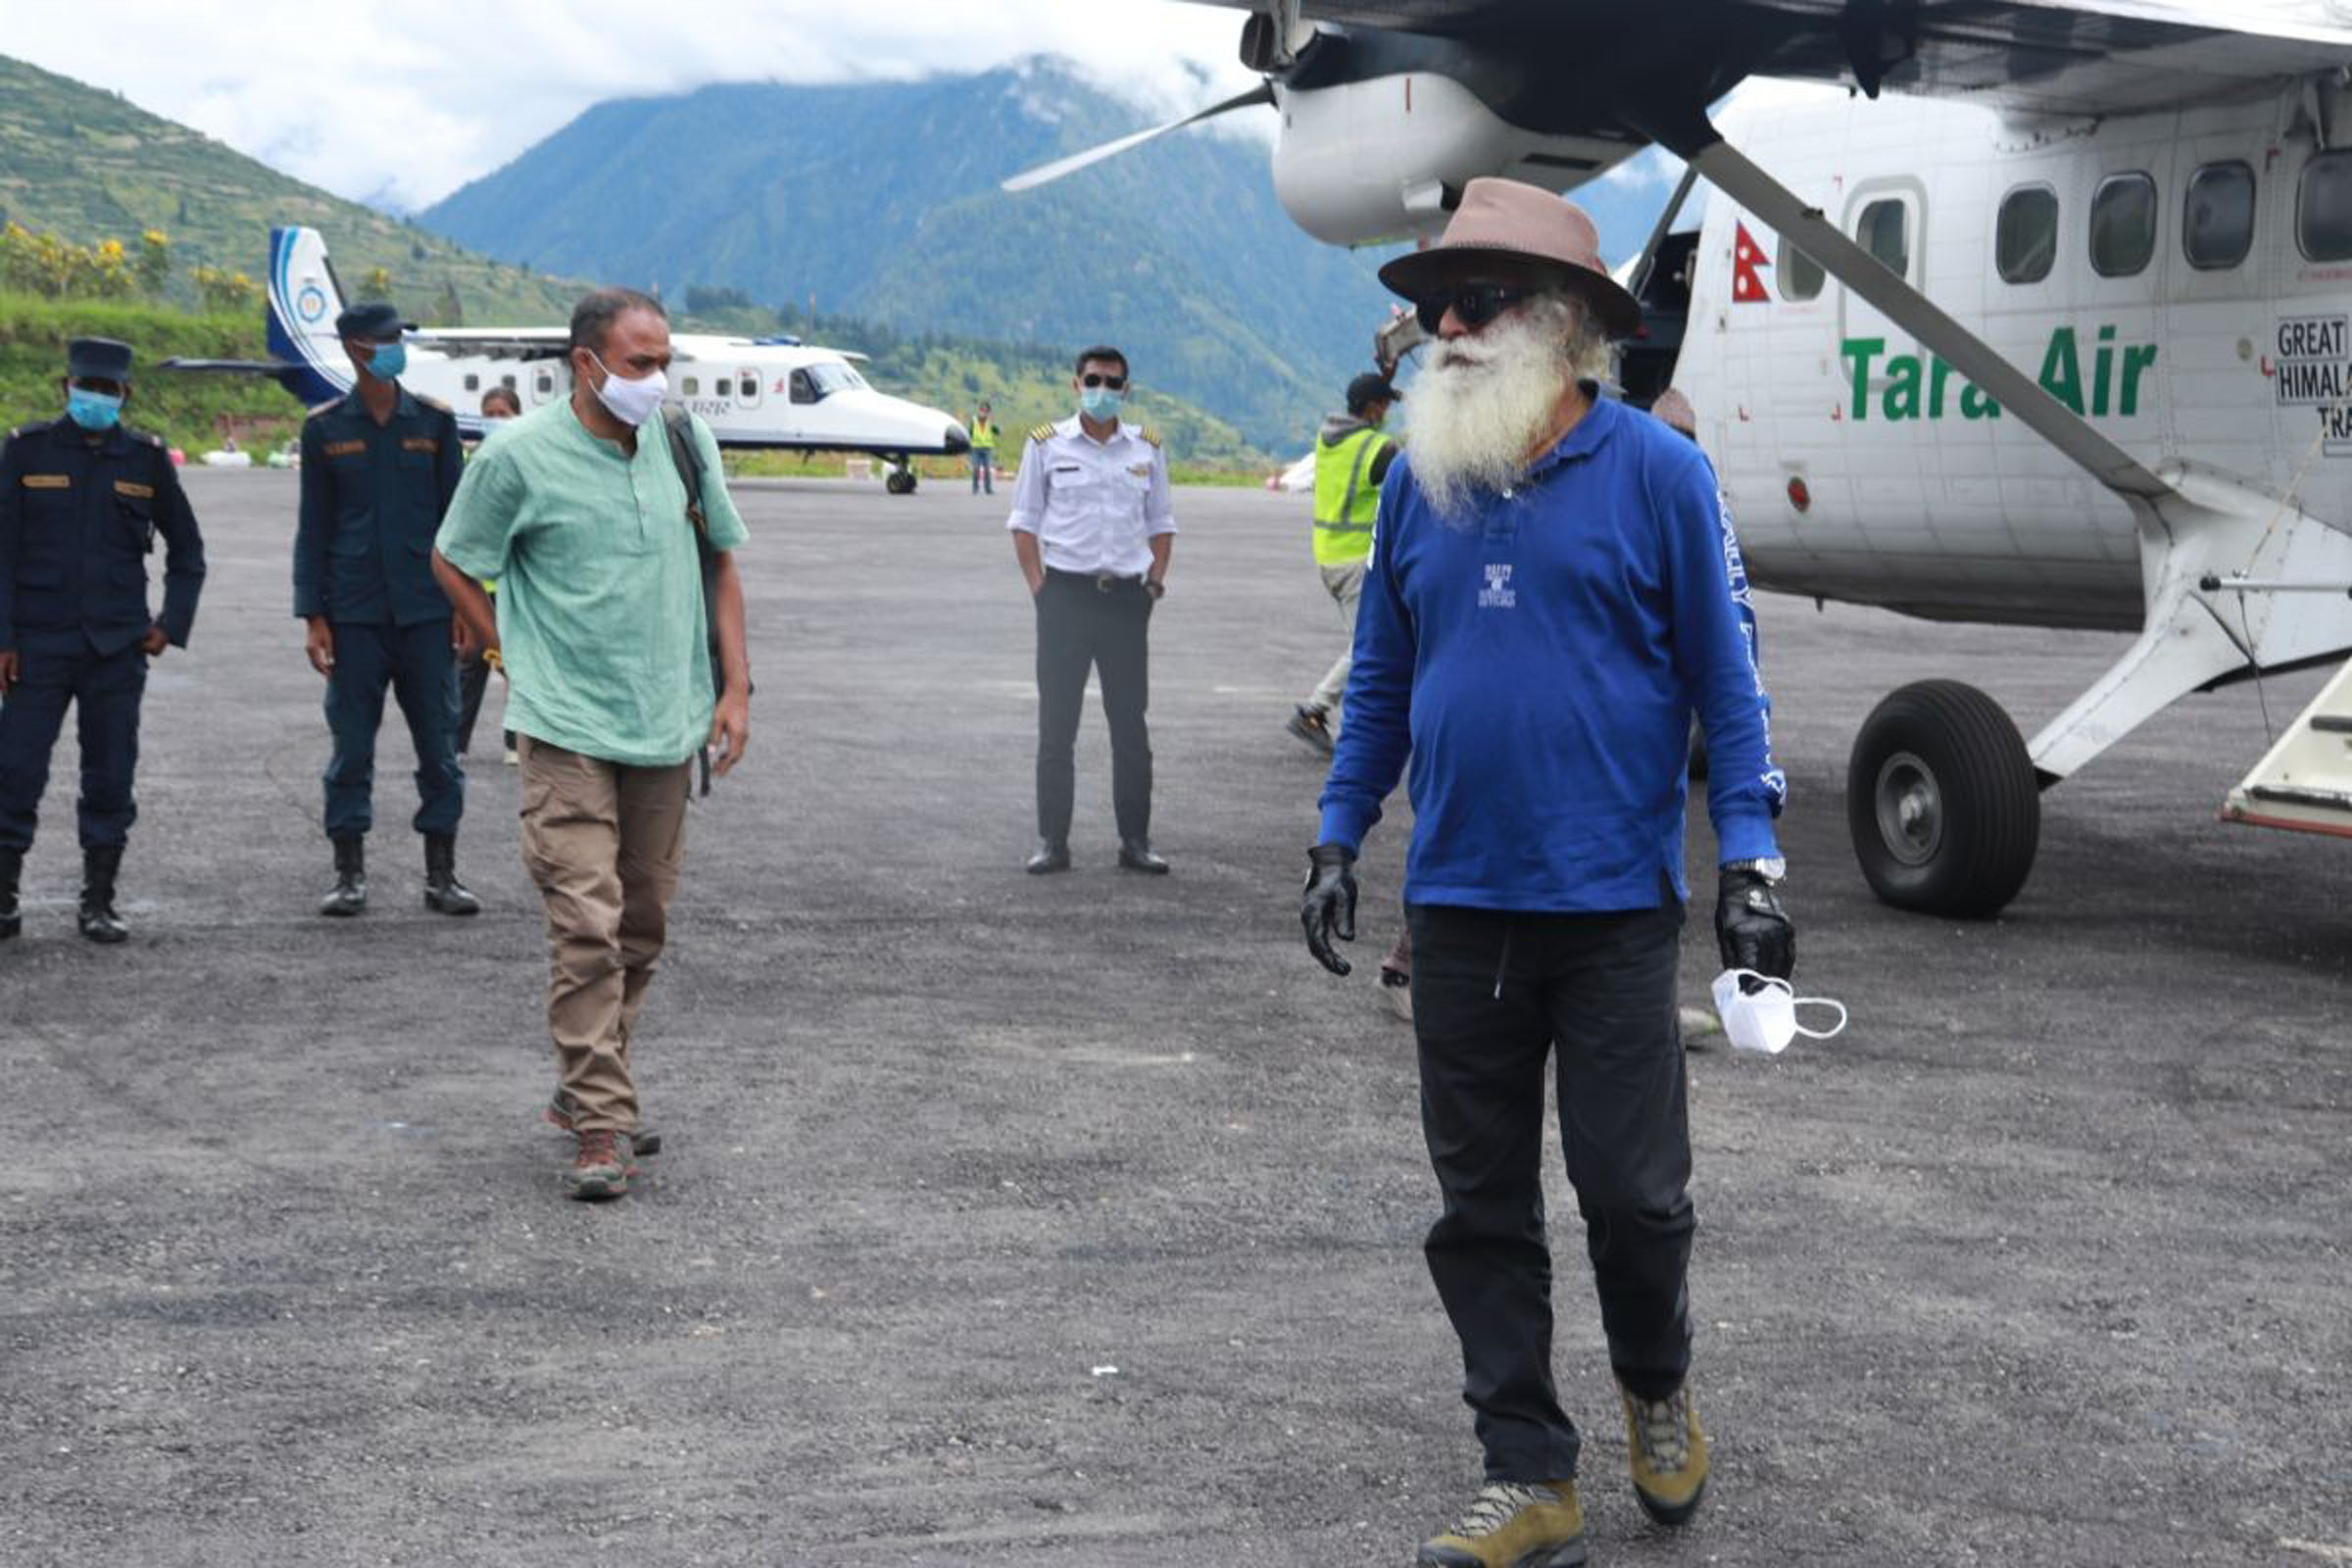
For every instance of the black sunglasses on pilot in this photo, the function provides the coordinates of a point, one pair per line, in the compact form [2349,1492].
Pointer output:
[1474,305]
[1118,383]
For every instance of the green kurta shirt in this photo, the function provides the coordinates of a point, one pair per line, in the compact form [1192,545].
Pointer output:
[600,588]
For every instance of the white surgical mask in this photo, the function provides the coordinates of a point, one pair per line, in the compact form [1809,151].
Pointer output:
[1764,1019]
[632,402]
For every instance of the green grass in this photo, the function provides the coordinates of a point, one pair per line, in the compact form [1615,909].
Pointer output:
[190,412]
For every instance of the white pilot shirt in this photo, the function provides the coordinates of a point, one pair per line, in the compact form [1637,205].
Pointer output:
[1093,504]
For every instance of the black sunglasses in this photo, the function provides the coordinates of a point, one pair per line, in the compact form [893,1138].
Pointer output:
[1118,383]
[1474,304]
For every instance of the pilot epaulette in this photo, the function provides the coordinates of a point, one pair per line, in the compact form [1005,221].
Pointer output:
[1149,434]
[328,406]
[27,428]
[434,404]
[145,437]
[1044,432]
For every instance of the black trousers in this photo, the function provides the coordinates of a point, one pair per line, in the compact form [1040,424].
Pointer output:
[1081,627]
[1495,995]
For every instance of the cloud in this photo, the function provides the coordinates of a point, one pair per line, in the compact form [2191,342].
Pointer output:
[401,106]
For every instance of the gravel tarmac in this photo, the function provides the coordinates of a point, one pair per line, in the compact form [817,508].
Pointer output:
[1076,1220]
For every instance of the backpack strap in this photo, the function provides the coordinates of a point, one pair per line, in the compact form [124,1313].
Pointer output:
[687,457]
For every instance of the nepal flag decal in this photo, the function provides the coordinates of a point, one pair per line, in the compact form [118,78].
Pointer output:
[1748,263]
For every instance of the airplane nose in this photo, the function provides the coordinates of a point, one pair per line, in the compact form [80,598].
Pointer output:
[955,440]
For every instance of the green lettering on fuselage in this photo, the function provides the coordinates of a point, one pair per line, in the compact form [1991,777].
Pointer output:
[1916,387]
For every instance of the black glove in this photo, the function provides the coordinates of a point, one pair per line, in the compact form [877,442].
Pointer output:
[1329,909]
[1751,929]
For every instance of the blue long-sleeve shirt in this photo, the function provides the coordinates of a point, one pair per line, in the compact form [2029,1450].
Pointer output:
[1540,666]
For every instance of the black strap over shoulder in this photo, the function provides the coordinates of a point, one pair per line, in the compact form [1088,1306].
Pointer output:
[686,454]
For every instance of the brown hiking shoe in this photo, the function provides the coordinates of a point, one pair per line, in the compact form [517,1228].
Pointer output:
[1513,1524]
[602,1167]
[1669,1454]
[560,1111]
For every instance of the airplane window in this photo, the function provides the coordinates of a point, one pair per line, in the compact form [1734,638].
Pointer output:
[2216,226]
[1885,231]
[544,383]
[722,388]
[473,382]
[2025,240]
[692,387]
[2323,208]
[804,391]
[507,381]
[2123,226]
[1800,275]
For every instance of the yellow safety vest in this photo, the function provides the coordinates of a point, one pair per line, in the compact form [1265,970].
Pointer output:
[984,434]
[1346,502]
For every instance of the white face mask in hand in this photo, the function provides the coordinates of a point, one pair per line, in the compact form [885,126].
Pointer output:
[1763,1018]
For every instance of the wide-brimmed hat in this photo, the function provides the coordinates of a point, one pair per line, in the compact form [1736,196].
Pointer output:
[1500,218]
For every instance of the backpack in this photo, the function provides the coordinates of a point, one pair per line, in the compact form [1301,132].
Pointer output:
[688,459]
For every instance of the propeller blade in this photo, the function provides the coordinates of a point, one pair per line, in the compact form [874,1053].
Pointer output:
[1263,93]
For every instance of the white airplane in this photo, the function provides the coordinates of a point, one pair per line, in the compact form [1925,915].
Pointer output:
[753,392]
[2131,409]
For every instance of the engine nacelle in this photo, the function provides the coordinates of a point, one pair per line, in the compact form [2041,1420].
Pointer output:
[1385,158]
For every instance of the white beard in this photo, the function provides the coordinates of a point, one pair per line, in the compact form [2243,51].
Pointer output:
[1480,404]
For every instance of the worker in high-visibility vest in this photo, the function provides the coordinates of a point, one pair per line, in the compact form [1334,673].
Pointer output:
[984,451]
[1351,458]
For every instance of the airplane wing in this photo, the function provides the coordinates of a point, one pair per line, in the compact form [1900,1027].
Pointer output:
[2053,57]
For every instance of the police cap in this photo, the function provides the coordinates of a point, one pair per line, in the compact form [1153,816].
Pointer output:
[371,321]
[1368,389]
[99,359]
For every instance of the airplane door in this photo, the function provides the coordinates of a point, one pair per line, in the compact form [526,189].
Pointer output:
[747,382]
[542,384]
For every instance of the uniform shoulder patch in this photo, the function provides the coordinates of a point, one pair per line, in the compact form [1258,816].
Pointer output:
[1149,434]
[1043,432]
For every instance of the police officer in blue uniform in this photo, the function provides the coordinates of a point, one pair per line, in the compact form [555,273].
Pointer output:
[379,467]
[82,501]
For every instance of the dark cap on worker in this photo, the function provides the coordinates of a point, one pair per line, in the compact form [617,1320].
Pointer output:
[371,321]
[1368,389]
[99,359]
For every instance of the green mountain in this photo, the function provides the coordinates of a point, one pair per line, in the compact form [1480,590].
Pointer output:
[880,200]
[89,165]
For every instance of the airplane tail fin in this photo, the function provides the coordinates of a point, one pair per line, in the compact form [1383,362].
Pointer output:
[305,298]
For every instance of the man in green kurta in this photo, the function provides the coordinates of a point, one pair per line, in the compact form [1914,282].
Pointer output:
[580,513]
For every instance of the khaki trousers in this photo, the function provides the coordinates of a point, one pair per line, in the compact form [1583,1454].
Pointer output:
[604,842]
[1345,585]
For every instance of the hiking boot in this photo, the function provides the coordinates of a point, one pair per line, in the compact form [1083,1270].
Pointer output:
[444,894]
[349,896]
[1669,1454]
[559,1111]
[98,921]
[602,1166]
[1311,725]
[1513,1524]
[12,868]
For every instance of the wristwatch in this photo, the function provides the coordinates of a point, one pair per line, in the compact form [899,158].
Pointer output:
[1154,587]
[1772,868]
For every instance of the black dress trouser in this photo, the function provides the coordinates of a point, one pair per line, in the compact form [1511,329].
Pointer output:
[1495,994]
[1081,627]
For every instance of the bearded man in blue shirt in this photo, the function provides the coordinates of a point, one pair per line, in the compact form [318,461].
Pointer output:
[1553,592]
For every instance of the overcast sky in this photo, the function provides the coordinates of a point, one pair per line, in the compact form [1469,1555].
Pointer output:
[403,104]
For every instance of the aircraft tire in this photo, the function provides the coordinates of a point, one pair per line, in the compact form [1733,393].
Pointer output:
[1941,802]
[900,483]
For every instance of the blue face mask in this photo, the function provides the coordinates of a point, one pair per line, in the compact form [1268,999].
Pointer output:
[93,410]
[1099,401]
[390,361]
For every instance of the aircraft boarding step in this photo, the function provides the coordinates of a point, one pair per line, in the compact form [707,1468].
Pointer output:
[2304,782]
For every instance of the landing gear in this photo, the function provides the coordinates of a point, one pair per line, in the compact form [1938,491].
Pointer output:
[900,481]
[1942,801]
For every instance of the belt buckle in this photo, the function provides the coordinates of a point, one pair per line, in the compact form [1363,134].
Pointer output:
[1103,581]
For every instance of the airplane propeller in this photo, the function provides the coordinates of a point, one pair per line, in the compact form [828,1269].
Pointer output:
[1263,93]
